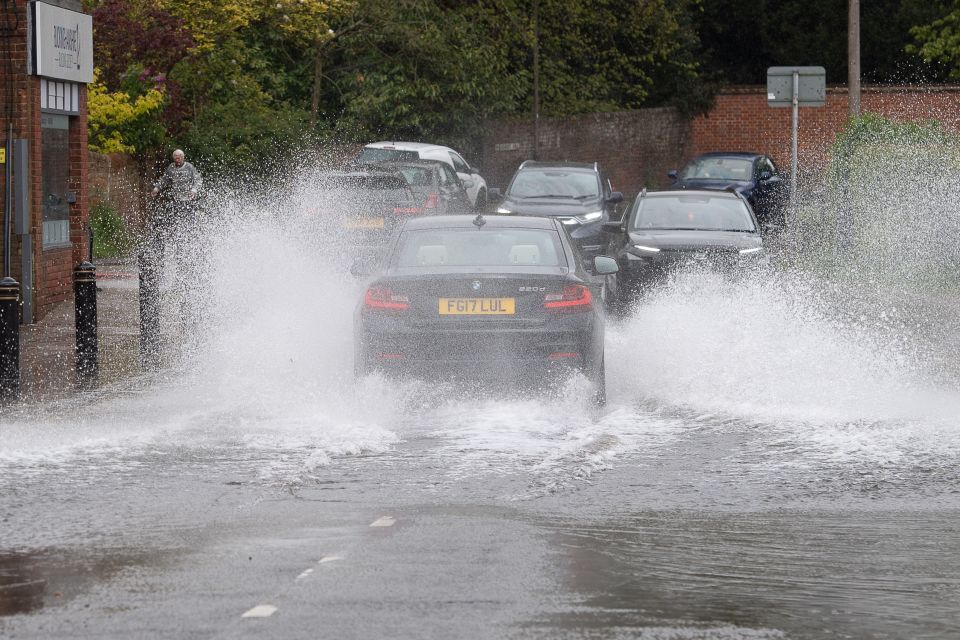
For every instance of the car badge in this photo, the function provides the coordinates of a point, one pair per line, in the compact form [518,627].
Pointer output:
[475,285]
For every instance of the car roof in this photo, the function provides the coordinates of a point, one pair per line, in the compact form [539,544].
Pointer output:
[714,193]
[404,146]
[491,221]
[543,164]
[729,154]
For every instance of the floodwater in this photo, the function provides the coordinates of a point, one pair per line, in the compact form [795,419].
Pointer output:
[778,458]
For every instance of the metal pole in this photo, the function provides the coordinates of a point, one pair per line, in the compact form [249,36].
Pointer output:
[853,58]
[9,339]
[8,203]
[536,79]
[793,142]
[85,302]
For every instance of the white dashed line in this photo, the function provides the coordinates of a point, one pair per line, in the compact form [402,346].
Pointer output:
[260,611]
[304,574]
[328,559]
[385,521]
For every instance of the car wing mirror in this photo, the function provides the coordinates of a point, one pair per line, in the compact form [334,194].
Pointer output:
[362,267]
[672,174]
[605,265]
[766,175]
[614,226]
[615,197]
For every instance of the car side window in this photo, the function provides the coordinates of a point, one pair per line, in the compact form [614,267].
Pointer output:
[459,163]
[448,177]
[767,165]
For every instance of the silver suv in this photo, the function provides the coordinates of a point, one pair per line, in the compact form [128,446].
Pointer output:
[473,182]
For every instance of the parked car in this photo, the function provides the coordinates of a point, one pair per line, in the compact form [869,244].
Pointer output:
[473,182]
[577,194]
[491,298]
[752,174]
[435,184]
[665,230]
[361,207]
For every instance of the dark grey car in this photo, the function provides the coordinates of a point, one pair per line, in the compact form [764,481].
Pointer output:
[472,298]
[667,229]
[578,194]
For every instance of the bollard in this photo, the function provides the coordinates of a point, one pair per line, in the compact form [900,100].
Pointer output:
[85,301]
[9,339]
[150,265]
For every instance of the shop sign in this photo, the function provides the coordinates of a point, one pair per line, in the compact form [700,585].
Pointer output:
[62,46]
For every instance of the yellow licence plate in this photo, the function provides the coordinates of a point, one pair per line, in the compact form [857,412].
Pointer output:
[477,306]
[364,223]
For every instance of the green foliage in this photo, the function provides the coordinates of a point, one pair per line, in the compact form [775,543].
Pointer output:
[110,236]
[121,121]
[939,41]
[873,130]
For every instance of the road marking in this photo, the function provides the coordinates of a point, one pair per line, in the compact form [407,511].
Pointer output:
[385,521]
[328,559]
[303,575]
[260,611]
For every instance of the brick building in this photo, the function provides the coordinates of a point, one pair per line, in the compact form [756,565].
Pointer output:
[46,61]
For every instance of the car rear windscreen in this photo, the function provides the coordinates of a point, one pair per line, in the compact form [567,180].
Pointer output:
[480,248]
[702,212]
[372,154]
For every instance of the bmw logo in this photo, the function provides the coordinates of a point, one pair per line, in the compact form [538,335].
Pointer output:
[475,285]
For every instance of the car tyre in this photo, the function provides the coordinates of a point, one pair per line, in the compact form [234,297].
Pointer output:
[600,385]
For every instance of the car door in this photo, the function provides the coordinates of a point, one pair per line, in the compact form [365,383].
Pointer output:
[466,176]
[454,195]
[768,191]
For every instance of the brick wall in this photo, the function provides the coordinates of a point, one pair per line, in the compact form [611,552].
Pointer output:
[741,120]
[115,178]
[639,147]
[636,147]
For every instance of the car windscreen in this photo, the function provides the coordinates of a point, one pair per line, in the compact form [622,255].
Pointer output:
[462,247]
[719,169]
[706,212]
[353,190]
[373,154]
[545,183]
[418,177]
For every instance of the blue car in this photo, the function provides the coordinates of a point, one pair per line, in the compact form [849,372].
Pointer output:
[753,175]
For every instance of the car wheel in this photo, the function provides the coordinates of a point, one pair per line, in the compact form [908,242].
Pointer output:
[600,385]
[481,204]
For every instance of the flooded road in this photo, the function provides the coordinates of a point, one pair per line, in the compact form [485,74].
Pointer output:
[777,460]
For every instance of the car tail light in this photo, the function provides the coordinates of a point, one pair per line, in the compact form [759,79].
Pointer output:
[407,211]
[432,201]
[575,297]
[384,299]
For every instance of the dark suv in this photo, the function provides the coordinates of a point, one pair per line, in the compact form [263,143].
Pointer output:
[579,194]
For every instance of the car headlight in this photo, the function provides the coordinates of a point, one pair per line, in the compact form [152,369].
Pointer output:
[646,249]
[751,250]
[590,217]
[503,210]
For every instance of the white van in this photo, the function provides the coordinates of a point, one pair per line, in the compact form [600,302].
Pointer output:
[473,182]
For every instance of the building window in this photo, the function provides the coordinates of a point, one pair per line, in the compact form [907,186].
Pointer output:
[55,134]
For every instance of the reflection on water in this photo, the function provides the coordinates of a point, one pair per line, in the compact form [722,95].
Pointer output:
[758,575]
[21,590]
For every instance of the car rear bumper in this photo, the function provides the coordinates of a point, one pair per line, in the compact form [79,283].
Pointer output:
[491,356]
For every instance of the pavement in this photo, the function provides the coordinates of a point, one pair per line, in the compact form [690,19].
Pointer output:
[48,347]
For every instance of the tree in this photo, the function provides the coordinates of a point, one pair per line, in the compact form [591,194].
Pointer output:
[939,40]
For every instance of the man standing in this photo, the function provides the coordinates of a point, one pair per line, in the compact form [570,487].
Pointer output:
[181,179]
[174,227]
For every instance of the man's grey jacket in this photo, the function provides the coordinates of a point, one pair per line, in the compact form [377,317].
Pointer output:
[180,181]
